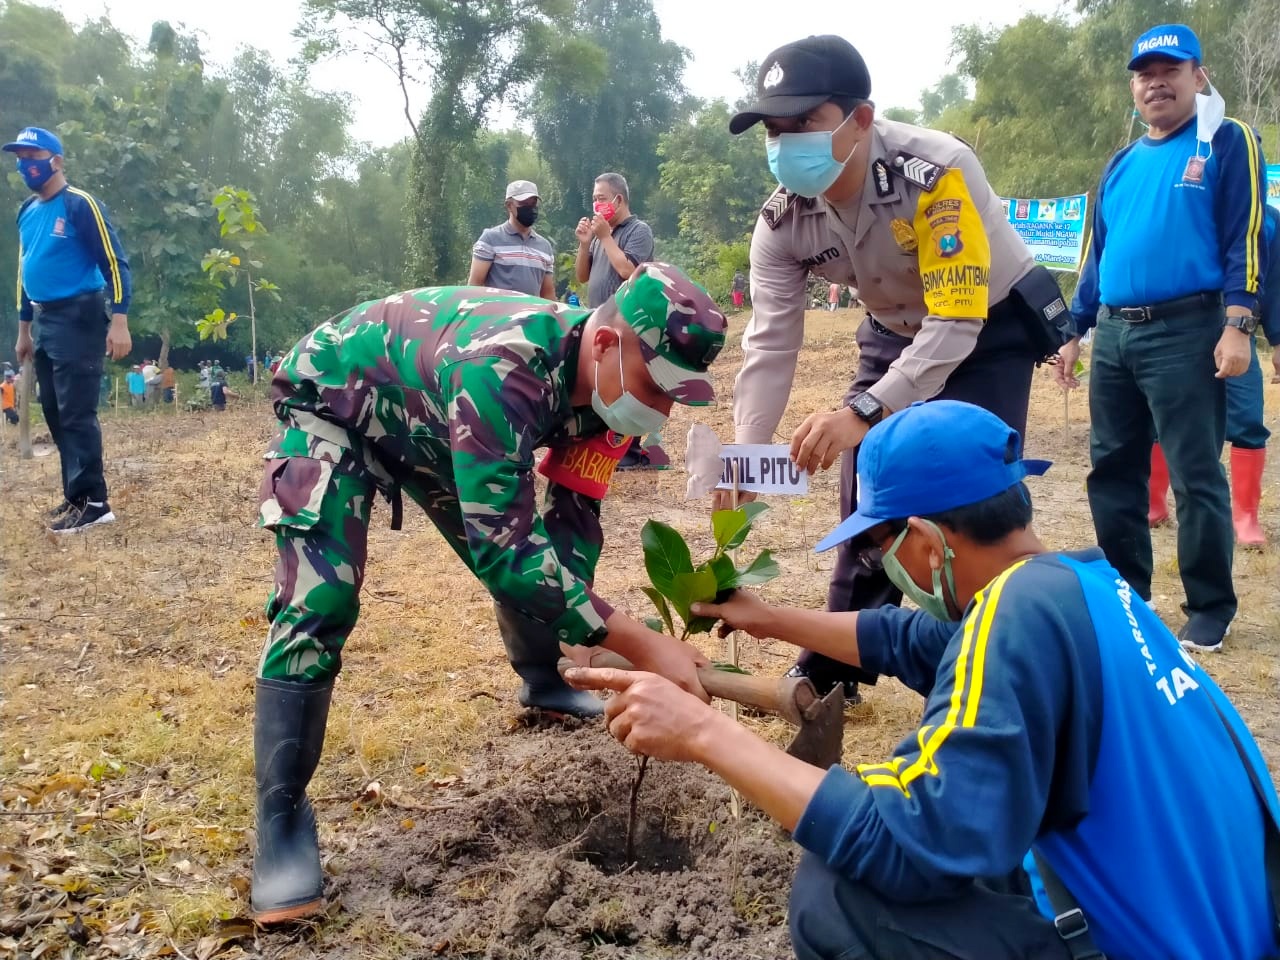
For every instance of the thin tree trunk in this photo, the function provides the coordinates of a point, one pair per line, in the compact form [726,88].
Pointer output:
[253,328]
[165,337]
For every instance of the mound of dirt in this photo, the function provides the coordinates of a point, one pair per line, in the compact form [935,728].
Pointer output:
[528,860]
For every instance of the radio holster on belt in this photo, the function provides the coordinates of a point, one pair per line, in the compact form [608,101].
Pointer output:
[1045,315]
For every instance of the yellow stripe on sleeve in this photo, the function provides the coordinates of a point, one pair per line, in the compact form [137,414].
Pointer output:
[116,284]
[1254,231]
[966,696]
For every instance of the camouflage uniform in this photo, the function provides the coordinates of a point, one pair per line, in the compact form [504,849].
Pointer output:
[444,394]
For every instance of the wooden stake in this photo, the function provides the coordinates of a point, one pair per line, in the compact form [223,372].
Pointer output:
[735,801]
[25,390]
[1066,416]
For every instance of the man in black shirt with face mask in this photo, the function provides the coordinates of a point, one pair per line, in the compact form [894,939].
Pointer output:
[512,255]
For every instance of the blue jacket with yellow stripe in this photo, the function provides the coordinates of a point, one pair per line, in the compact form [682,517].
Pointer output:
[1060,714]
[1174,217]
[67,247]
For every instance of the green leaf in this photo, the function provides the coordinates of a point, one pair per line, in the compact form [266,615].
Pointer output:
[726,573]
[749,513]
[654,624]
[727,524]
[664,610]
[730,668]
[761,570]
[666,555]
[694,587]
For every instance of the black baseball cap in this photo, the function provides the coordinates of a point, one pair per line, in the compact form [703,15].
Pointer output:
[802,75]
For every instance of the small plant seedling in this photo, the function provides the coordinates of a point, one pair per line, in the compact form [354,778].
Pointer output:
[676,584]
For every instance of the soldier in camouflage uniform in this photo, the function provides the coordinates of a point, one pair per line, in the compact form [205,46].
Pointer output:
[444,394]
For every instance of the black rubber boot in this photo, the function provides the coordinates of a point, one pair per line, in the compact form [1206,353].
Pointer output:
[288,734]
[534,651]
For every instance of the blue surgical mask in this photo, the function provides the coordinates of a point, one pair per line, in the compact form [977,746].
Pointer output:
[804,163]
[36,173]
[934,604]
[626,415]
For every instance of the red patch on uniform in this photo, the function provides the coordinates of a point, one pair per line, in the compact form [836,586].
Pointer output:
[586,466]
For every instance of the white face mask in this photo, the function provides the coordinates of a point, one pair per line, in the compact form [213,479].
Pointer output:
[1211,110]
[626,415]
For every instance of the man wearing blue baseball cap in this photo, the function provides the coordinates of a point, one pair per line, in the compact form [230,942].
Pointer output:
[1171,282]
[1061,717]
[70,266]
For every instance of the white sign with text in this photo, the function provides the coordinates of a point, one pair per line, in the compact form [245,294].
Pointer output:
[761,468]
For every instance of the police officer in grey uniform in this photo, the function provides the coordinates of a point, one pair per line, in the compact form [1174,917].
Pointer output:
[956,306]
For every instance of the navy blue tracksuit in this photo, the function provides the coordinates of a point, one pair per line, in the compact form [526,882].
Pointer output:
[70,266]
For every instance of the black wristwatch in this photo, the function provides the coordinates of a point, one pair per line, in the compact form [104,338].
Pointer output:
[1247,324]
[868,408]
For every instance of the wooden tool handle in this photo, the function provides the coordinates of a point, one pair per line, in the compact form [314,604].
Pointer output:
[751,691]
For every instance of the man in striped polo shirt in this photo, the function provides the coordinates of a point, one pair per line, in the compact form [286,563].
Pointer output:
[512,255]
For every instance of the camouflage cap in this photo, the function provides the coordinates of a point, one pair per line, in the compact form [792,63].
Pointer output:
[681,329]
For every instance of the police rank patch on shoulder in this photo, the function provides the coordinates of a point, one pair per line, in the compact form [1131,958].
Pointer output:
[776,207]
[914,170]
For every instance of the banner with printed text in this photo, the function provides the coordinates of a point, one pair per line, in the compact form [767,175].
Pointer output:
[1273,185]
[1052,229]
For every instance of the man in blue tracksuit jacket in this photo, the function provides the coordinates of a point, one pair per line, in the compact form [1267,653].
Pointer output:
[1246,430]
[70,267]
[1171,280]
[1060,716]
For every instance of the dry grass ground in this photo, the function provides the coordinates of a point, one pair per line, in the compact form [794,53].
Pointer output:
[128,657]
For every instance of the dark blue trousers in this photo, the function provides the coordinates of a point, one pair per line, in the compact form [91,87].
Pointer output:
[71,339]
[1245,428]
[833,918]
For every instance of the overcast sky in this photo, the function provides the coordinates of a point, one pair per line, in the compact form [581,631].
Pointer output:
[721,36]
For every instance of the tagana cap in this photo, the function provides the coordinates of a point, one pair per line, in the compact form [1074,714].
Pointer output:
[681,329]
[1175,41]
[930,458]
[35,138]
[800,76]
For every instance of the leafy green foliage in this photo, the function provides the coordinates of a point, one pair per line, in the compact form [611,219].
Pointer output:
[677,584]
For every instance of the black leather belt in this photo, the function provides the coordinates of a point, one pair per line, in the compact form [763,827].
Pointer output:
[1166,308]
[66,301]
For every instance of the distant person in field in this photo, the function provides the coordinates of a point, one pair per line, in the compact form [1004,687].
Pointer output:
[611,243]
[71,269]
[168,383]
[136,384]
[219,392]
[739,289]
[513,255]
[8,397]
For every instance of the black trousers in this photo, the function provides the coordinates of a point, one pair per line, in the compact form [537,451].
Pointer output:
[995,376]
[71,338]
[833,918]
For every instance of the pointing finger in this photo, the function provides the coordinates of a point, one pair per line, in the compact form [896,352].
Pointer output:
[599,678]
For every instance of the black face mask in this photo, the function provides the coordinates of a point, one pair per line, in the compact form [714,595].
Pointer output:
[526,216]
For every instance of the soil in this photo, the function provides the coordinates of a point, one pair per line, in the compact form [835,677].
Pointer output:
[527,860]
